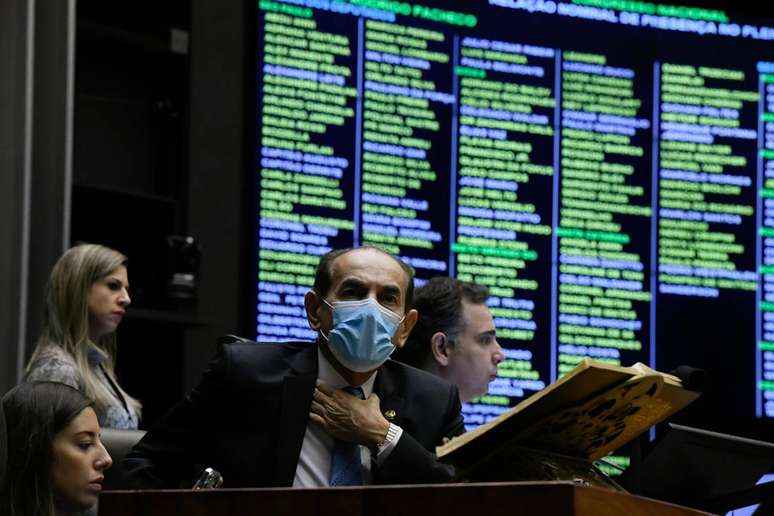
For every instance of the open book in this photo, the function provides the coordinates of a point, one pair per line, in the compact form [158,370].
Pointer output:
[592,410]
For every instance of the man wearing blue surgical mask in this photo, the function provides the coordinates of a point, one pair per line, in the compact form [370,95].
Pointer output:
[335,412]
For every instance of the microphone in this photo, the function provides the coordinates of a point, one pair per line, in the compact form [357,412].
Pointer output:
[209,479]
[693,378]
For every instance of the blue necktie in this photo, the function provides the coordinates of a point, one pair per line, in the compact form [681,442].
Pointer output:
[345,462]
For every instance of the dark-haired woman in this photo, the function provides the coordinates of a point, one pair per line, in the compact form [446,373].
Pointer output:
[51,458]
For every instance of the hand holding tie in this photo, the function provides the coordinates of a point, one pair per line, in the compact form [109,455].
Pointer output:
[347,417]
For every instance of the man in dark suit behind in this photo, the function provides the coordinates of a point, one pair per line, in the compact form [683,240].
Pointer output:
[273,414]
[455,336]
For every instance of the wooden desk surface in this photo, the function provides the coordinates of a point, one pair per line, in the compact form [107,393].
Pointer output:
[507,498]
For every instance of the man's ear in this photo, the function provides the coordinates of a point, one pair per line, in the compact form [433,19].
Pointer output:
[404,328]
[440,347]
[312,305]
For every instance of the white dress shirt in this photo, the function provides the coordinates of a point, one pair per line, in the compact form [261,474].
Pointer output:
[314,463]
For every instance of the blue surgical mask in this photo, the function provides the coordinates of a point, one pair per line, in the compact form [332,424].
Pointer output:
[361,337]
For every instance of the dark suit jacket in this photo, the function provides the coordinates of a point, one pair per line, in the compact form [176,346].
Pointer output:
[248,415]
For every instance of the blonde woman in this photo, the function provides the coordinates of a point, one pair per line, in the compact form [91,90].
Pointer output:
[86,298]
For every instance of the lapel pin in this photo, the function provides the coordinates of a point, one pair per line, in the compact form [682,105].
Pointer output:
[389,414]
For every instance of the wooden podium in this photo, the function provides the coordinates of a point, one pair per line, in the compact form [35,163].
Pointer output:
[474,499]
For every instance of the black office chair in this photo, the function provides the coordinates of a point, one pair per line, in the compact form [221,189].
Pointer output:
[231,339]
[118,444]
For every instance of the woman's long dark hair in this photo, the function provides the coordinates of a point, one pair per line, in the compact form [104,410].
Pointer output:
[31,414]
